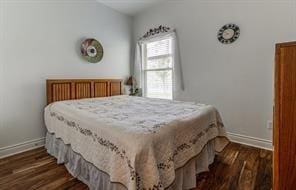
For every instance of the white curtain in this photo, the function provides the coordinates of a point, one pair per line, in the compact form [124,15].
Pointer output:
[178,83]
[138,65]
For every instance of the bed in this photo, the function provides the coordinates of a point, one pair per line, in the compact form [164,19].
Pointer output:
[113,141]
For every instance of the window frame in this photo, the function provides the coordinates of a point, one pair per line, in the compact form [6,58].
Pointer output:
[145,60]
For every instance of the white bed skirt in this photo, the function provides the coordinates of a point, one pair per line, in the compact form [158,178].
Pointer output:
[96,179]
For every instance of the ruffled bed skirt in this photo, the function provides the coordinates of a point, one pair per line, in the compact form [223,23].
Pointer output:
[96,179]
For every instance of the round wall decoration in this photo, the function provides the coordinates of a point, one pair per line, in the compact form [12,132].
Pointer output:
[92,50]
[228,34]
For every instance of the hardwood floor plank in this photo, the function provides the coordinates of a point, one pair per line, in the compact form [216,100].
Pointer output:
[73,184]
[250,156]
[20,177]
[238,167]
[21,161]
[264,171]
[54,183]
[21,156]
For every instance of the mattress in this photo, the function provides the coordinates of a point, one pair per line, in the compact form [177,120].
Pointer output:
[138,142]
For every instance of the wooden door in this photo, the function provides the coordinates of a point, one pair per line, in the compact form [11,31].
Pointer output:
[285,117]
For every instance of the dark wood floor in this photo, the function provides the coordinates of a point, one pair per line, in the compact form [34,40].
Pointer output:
[238,167]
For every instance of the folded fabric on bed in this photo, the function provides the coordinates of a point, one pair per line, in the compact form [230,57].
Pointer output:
[138,142]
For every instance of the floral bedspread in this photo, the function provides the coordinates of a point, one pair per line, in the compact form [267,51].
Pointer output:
[139,142]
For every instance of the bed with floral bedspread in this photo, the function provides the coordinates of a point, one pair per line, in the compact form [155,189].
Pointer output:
[138,142]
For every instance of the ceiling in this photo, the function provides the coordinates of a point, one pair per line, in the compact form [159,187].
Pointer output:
[130,7]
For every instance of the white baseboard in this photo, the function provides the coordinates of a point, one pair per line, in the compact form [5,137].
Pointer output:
[251,141]
[21,147]
[29,145]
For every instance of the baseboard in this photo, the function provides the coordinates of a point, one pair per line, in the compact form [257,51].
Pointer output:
[29,145]
[21,147]
[251,141]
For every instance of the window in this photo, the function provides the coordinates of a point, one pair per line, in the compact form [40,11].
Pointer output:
[158,69]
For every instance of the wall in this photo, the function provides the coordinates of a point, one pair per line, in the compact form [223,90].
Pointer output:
[236,78]
[40,40]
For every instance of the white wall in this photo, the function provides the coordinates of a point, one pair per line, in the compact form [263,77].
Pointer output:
[40,40]
[236,78]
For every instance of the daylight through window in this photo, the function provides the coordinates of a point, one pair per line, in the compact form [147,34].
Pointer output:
[158,69]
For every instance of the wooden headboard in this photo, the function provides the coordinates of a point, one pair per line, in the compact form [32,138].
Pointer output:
[69,89]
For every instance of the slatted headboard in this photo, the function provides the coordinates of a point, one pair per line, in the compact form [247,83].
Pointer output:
[69,89]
